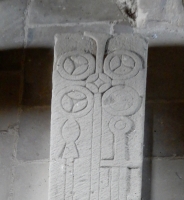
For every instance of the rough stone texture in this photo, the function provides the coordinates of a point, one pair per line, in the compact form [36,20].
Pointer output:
[31,181]
[12,23]
[44,36]
[167,175]
[165,32]
[123,27]
[34,134]
[129,9]
[97,117]
[6,161]
[160,13]
[57,12]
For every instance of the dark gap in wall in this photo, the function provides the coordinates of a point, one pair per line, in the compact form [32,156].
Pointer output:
[164,119]
[38,77]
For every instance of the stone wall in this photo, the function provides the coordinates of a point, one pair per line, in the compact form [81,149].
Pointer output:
[27,30]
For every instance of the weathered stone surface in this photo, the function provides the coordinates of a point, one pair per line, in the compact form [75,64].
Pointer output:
[167,179]
[160,13]
[55,12]
[97,117]
[123,27]
[6,158]
[12,23]
[33,143]
[31,181]
[43,37]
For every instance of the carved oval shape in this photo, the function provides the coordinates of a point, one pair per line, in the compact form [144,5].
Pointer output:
[120,125]
[70,131]
[121,100]
[69,66]
[76,95]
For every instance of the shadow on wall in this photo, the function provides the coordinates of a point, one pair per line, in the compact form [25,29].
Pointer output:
[26,80]
[34,70]
[164,119]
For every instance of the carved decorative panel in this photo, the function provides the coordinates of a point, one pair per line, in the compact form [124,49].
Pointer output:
[97,117]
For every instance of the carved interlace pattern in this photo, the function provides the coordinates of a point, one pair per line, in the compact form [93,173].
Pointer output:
[98,85]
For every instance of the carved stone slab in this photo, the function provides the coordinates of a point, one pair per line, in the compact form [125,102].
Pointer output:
[97,124]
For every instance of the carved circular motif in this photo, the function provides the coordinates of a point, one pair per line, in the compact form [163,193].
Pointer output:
[120,125]
[121,100]
[75,65]
[122,65]
[76,100]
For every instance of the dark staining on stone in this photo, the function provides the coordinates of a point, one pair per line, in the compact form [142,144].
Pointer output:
[130,14]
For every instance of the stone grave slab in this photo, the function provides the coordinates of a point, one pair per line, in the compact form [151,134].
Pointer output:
[97,122]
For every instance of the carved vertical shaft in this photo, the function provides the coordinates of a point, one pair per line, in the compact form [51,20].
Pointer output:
[96,150]
[94,96]
[69,179]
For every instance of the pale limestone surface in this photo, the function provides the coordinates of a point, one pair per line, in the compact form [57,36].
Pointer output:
[160,13]
[31,181]
[97,117]
[6,162]
[61,12]
[44,36]
[167,175]
[164,182]
[34,131]
[12,21]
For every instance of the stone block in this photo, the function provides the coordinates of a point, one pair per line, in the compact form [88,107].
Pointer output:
[31,181]
[167,179]
[165,73]
[12,23]
[10,97]
[57,12]
[168,128]
[6,161]
[160,13]
[97,123]
[43,37]
[37,79]
[34,134]
[123,27]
